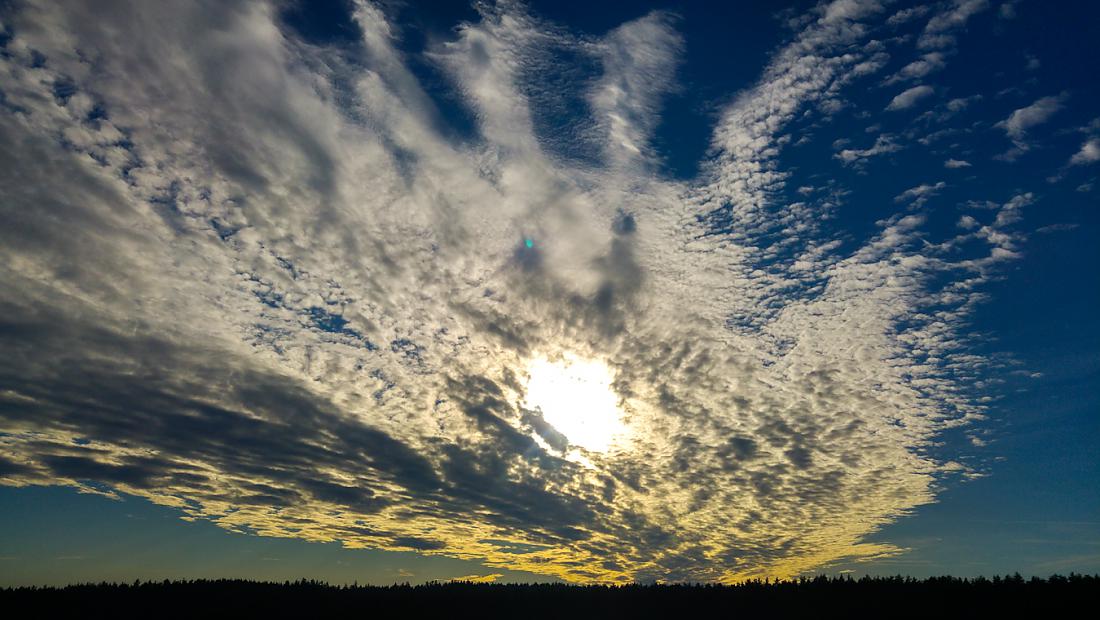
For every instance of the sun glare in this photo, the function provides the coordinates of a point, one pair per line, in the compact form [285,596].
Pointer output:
[576,398]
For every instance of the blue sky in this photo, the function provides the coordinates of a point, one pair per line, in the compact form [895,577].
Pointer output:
[294,272]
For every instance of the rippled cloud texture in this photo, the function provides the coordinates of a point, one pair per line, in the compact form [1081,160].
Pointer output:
[264,281]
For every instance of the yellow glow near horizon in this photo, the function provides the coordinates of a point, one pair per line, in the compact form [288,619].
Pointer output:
[576,398]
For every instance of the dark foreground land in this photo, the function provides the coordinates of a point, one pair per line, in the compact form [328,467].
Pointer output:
[890,597]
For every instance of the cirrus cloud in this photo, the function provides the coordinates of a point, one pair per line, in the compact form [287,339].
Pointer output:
[251,277]
[909,98]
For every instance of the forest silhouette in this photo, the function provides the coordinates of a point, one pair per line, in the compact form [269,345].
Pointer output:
[878,597]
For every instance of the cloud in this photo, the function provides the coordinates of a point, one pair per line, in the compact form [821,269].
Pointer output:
[638,59]
[968,222]
[927,64]
[956,163]
[909,14]
[829,53]
[479,578]
[908,98]
[1053,228]
[920,194]
[959,12]
[961,103]
[1017,125]
[1089,153]
[883,144]
[936,31]
[261,280]
[1020,121]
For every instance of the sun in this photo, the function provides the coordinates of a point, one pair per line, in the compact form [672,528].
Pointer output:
[576,398]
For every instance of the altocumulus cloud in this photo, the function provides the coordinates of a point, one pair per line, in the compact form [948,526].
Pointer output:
[252,278]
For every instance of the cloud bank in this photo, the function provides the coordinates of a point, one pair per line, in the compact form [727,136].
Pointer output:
[261,280]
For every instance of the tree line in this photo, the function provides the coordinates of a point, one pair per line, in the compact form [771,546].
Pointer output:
[878,597]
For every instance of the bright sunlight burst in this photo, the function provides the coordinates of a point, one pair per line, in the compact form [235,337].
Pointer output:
[576,398]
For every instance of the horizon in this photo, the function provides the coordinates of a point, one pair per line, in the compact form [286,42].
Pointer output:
[866,596]
[766,581]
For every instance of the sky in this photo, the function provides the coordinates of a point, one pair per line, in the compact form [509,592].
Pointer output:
[548,291]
